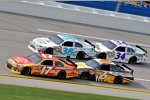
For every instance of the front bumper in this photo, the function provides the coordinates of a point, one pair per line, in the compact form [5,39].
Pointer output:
[12,68]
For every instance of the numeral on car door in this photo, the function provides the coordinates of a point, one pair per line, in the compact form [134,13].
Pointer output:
[46,70]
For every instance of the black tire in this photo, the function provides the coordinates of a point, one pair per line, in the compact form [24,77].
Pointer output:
[61,75]
[118,80]
[132,60]
[80,55]
[26,71]
[85,76]
[102,56]
[49,51]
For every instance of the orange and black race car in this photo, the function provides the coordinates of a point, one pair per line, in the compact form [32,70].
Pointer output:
[42,64]
[105,71]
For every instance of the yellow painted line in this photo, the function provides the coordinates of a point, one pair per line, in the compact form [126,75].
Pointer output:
[76,83]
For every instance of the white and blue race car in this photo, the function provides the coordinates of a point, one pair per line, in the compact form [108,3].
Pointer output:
[63,46]
[120,51]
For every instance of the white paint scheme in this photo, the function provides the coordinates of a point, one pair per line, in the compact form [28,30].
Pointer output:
[121,55]
[41,44]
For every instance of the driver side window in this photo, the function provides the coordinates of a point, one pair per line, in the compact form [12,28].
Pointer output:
[120,49]
[47,62]
[68,44]
[105,67]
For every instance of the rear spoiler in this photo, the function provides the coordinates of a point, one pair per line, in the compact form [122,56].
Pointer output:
[141,48]
[71,62]
[89,43]
[128,68]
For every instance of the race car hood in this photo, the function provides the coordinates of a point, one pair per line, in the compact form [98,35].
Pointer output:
[100,47]
[44,42]
[21,60]
[82,65]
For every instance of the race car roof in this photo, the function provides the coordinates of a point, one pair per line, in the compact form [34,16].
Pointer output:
[67,37]
[120,43]
[104,61]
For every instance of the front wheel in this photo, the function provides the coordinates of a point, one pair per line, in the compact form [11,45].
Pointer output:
[49,51]
[26,71]
[84,76]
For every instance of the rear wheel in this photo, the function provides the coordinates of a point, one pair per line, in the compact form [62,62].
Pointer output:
[132,60]
[61,75]
[49,51]
[85,76]
[118,80]
[102,56]
[80,55]
[26,71]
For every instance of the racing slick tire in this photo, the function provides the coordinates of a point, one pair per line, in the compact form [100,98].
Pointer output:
[84,76]
[80,55]
[49,51]
[61,75]
[132,60]
[26,71]
[118,80]
[102,56]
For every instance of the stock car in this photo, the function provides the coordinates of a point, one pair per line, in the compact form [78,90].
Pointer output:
[120,51]
[63,46]
[42,64]
[102,70]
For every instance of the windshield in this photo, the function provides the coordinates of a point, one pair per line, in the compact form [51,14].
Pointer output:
[110,45]
[56,39]
[35,58]
[92,63]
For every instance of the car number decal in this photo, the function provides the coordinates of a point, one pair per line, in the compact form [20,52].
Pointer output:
[102,76]
[46,70]
[67,51]
[120,55]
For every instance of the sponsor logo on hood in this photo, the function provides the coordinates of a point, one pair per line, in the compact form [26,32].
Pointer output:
[22,60]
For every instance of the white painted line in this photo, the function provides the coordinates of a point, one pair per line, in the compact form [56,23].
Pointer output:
[87,36]
[146,80]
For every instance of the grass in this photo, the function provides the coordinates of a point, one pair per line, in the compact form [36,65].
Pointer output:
[12,92]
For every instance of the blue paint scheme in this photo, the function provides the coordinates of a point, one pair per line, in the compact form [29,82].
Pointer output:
[111,5]
[66,51]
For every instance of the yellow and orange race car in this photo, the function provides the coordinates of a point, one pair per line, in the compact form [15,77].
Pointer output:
[42,64]
[104,71]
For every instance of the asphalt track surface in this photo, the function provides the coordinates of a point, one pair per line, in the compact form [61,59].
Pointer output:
[16,31]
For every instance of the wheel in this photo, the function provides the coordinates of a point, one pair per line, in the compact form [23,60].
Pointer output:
[26,71]
[80,55]
[49,51]
[132,60]
[118,80]
[85,76]
[61,75]
[102,56]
